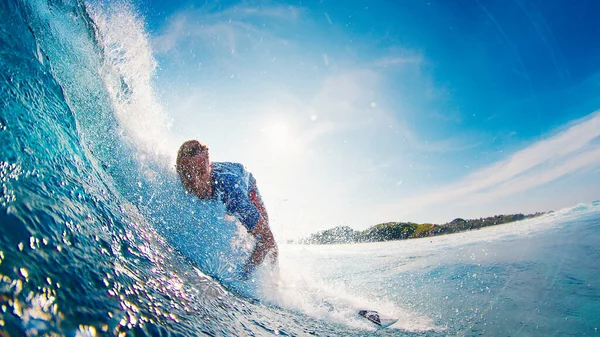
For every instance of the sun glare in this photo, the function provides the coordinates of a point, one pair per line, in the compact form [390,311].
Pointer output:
[278,135]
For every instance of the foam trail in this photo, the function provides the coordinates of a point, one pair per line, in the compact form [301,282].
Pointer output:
[296,286]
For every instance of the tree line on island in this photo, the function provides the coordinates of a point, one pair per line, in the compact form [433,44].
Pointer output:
[407,230]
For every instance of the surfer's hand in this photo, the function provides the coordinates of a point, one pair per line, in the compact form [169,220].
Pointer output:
[265,243]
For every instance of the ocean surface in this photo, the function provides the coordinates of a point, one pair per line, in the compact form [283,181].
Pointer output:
[98,238]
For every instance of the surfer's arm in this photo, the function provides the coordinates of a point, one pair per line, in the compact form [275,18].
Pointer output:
[265,242]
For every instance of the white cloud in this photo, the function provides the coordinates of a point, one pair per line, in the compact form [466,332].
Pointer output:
[398,61]
[568,152]
[346,99]
[549,173]
[224,28]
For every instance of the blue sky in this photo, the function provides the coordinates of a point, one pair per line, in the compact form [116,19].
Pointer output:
[361,112]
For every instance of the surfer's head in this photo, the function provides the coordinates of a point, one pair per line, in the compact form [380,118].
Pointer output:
[193,167]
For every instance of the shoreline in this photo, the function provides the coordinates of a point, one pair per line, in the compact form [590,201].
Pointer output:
[395,231]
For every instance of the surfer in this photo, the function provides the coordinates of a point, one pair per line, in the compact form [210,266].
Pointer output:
[233,185]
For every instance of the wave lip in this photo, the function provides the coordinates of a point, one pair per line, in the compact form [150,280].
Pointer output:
[127,72]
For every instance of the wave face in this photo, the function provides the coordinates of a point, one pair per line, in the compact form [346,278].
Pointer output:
[98,237]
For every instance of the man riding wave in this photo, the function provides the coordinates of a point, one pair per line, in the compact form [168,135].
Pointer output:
[234,186]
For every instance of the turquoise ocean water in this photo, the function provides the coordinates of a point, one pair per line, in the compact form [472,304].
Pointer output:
[98,238]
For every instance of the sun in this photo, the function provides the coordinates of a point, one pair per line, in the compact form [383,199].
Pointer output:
[278,135]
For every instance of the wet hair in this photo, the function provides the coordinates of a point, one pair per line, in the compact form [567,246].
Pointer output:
[191,148]
[188,149]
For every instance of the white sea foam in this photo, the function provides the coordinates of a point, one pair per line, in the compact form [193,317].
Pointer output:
[296,285]
[128,70]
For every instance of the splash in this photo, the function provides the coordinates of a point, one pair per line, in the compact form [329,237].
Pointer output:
[127,71]
[296,285]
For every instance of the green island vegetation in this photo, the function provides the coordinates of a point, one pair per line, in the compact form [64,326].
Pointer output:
[407,230]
